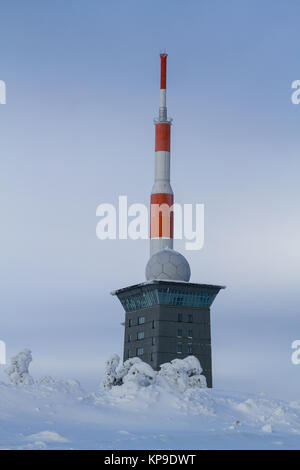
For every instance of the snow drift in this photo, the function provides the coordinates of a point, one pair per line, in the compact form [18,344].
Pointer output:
[141,412]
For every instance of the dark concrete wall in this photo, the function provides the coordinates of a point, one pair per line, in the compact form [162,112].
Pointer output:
[165,328]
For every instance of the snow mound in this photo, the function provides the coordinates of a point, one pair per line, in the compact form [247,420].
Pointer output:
[47,436]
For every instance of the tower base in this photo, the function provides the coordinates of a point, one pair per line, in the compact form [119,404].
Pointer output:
[165,320]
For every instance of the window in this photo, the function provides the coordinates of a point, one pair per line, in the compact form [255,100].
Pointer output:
[179,317]
[179,333]
[153,340]
[129,322]
[129,338]
[141,320]
[190,349]
[192,298]
[153,323]
[141,335]
[190,318]
[140,351]
[190,333]
[138,301]
[152,356]
[128,353]
[179,348]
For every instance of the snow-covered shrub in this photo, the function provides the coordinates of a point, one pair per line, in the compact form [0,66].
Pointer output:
[191,365]
[71,386]
[172,375]
[18,371]
[48,385]
[132,370]
[141,374]
[177,375]
[197,381]
[110,375]
[194,372]
[124,368]
[180,374]
[46,380]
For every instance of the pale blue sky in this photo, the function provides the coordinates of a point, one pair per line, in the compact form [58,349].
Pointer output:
[82,90]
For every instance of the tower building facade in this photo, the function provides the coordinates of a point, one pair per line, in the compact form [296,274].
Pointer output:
[166,317]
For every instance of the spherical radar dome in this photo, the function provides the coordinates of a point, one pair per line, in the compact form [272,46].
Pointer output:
[168,264]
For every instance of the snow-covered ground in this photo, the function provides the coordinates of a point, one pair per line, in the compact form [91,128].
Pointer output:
[61,415]
[139,408]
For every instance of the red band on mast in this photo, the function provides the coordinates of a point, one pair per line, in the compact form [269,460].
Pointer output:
[163,71]
[162,136]
[161,215]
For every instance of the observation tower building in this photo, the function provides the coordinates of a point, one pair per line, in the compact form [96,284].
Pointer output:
[166,317]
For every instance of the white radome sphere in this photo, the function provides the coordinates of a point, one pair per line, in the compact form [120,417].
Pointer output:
[168,264]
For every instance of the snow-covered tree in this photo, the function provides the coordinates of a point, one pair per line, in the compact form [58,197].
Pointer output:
[18,371]
[132,370]
[124,368]
[197,381]
[177,375]
[194,372]
[172,375]
[111,377]
[141,374]
[180,374]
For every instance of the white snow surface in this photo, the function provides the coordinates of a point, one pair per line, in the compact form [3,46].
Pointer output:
[139,408]
[61,415]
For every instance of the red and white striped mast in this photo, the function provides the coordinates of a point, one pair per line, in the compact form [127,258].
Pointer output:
[162,198]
